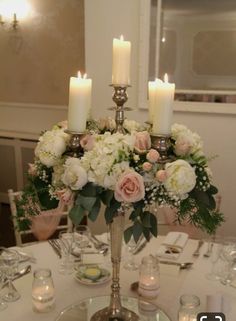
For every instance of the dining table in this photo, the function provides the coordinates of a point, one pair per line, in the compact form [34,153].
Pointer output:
[174,282]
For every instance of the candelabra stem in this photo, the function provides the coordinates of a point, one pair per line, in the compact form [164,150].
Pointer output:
[120,97]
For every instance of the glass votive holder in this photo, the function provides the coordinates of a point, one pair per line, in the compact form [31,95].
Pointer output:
[189,307]
[43,291]
[149,277]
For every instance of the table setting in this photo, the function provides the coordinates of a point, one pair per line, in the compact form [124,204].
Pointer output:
[131,169]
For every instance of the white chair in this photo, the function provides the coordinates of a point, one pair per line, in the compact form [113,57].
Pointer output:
[19,235]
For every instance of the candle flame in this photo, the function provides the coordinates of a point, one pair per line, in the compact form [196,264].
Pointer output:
[165,78]
[79,74]
[84,76]
[122,38]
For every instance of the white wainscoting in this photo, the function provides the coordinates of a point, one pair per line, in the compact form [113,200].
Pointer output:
[20,126]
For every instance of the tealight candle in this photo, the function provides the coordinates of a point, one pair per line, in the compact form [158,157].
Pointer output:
[149,278]
[43,292]
[79,103]
[121,62]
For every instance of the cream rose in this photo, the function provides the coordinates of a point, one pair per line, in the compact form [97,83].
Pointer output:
[129,188]
[74,175]
[181,178]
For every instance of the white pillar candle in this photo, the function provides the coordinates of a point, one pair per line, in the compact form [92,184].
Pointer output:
[121,62]
[162,108]
[79,103]
[152,88]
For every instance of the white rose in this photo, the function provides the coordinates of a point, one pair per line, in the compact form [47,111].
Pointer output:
[51,145]
[181,178]
[74,176]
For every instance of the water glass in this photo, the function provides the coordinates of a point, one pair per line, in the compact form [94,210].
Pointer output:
[82,237]
[43,292]
[229,255]
[9,262]
[216,250]
[67,259]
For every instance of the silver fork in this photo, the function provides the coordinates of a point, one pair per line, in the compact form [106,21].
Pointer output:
[197,251]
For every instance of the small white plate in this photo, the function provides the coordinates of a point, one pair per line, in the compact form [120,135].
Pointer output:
[81,278]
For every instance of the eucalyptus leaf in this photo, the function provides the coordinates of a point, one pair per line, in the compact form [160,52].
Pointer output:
[86,202]
[106,197]
[128,233]
[76,214]
[137,230]
[153,222]
[93,214]
[146,220]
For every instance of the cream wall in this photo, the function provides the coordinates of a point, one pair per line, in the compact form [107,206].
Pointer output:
[106,19]
[37,60]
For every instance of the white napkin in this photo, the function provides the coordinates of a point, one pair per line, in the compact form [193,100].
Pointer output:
[93,258]
[173,245]
[214,303]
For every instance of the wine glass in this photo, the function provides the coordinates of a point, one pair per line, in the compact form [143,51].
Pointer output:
[67,260]
[9,262]
[216,247]
[82,236]
[131,264]
[229,255]
[3,305]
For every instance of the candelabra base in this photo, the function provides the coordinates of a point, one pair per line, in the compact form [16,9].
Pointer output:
[161,143]
[75,148]
[122,315]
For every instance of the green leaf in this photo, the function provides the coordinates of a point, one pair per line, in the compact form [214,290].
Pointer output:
[93,214]
[135,213]
[213,190]
[153,222]
[146,233]
[76,214]
[128,233]
[137,230]
[111,210]
[146,220]
[86,202]
[89,190]
[106,197]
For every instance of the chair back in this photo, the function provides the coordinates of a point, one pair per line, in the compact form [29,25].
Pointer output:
[36,226]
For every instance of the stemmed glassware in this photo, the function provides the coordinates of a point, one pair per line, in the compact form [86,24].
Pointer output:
[3,305]
[229,254]
[216,247]
[9,262]
[82,236]
[131,264]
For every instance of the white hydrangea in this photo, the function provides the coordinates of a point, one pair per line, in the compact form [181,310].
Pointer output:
[111,179]
[51,145]
[186,142]
[74,176]
[108,150]
[132,125]
[181,178]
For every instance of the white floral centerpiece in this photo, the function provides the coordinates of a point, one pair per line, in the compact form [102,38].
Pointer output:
[123,171]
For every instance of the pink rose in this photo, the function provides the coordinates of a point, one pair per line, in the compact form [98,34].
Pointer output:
[153,156]
[147,166]
[161,175]
[129,188]
[87,142]
[142,142]
[183,146]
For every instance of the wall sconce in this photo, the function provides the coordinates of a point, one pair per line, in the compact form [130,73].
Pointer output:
[1,21]
[15,22]
[14,11]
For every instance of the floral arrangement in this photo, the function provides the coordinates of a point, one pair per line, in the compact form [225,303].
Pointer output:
[123,172]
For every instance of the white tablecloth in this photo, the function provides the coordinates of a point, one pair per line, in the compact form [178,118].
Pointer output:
[174,283]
